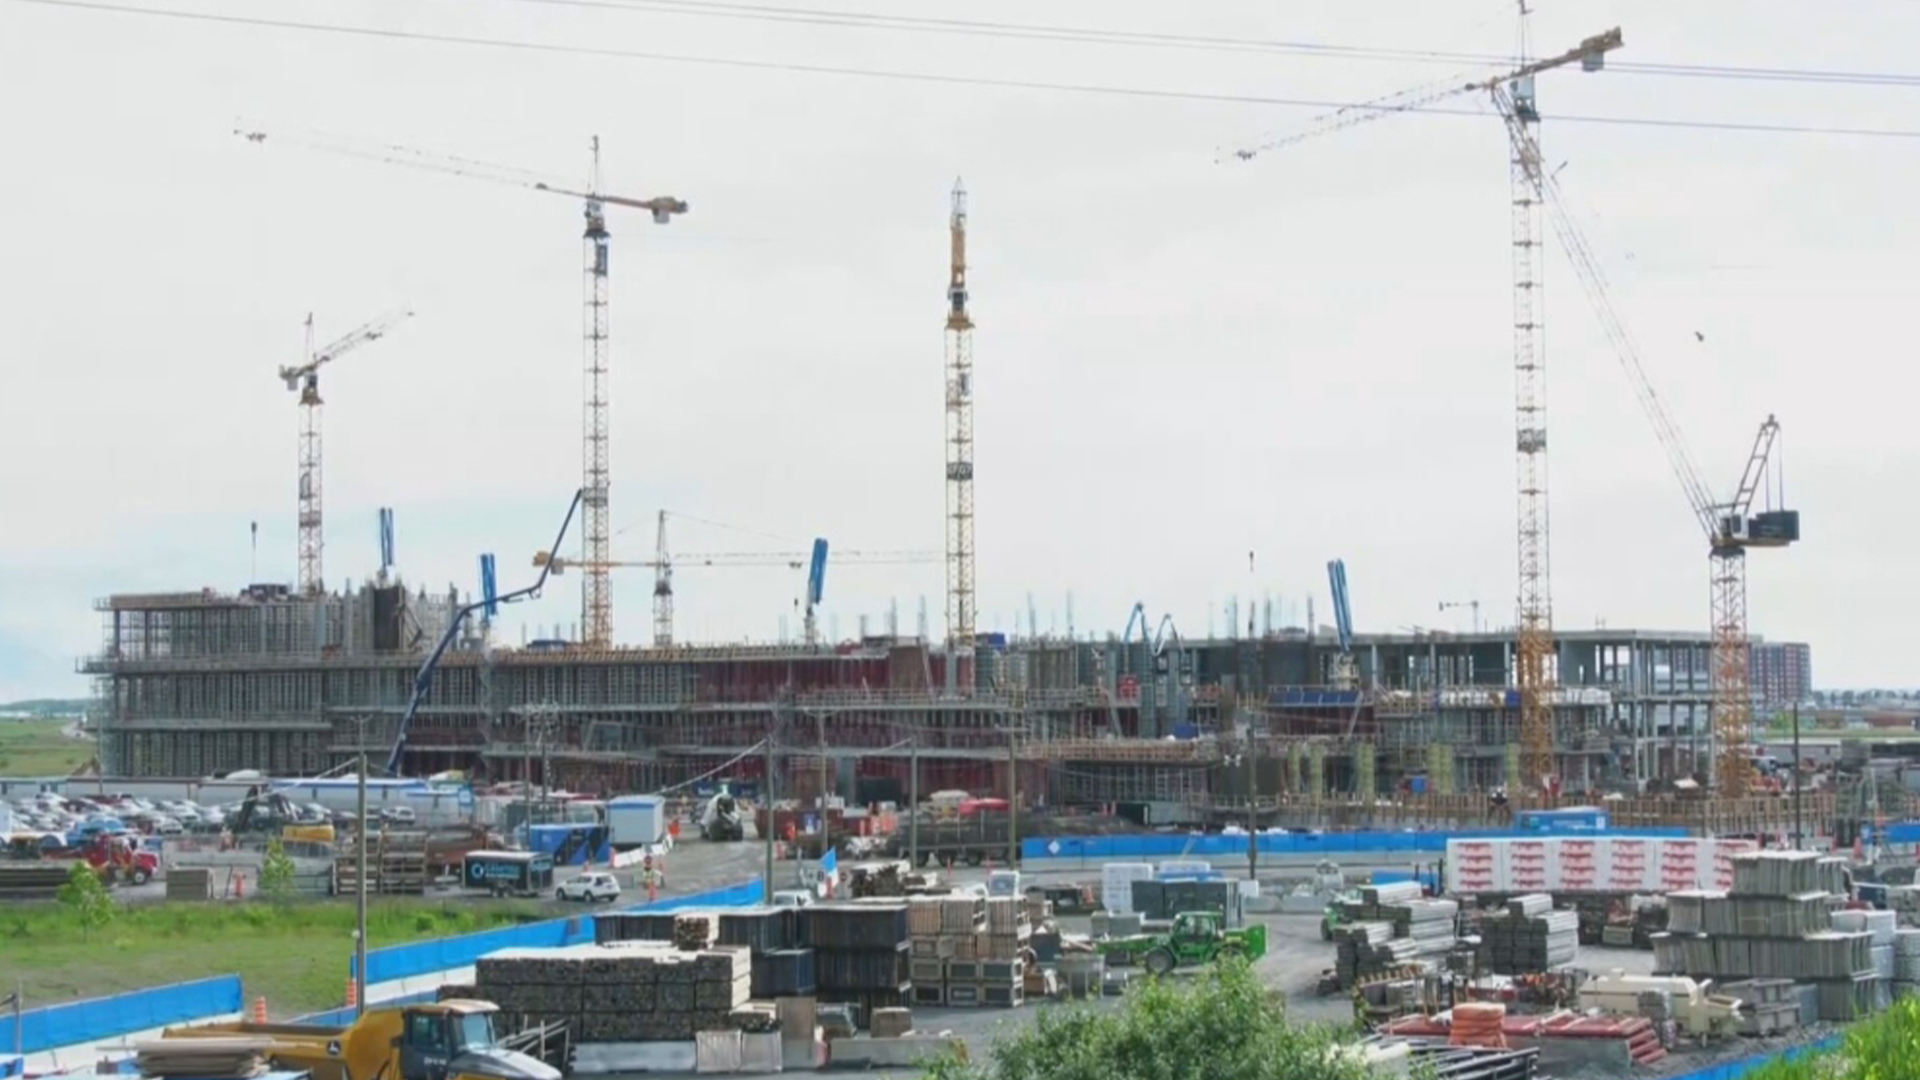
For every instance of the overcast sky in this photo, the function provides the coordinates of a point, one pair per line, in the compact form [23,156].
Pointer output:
[1305,356]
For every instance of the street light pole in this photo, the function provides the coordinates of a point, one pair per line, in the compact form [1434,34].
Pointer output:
[767,797]
[913,804]
[360,882]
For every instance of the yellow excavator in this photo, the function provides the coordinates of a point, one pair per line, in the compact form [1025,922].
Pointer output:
[445,1040]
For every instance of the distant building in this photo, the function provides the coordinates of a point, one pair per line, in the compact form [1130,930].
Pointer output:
[1781,672]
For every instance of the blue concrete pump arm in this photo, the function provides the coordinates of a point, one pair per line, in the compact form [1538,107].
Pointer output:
[423,680]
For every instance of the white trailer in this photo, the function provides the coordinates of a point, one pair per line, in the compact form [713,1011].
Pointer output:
[636,821]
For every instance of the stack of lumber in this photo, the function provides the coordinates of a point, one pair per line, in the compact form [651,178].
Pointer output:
[691,933]
[396,864]
[1780,921]
[630,992]
[860,953]
[1529,937]
[969,952]
[213,1058]
[185,883]
[31,880]
[633,926]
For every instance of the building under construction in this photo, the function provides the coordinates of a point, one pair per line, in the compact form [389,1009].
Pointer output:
[192,684]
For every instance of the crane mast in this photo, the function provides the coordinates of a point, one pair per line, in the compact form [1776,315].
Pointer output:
[662,587]
[1534,668]
[596,589]
[959,440]
[305,380]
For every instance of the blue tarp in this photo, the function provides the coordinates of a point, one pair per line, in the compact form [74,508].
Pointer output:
[1174,845]
[77,1022]
[443,954]
[1734,1070]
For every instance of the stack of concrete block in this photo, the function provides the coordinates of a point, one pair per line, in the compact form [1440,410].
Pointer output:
[1417,929]
[1906,962]
[635,992]
[1779,921]
[969,951]
[1529,937]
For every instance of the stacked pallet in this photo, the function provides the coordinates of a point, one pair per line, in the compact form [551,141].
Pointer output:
[1529,937]
[1778,921]
[969,950]
[631,992]
[396,864]
[860,955]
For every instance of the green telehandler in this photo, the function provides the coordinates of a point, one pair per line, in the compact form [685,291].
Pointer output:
[1197,937]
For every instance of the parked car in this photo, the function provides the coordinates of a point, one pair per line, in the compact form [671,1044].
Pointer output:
[588,888]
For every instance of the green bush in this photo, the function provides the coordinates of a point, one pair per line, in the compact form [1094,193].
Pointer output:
[85,898]
[1222,1024]
[1884,1047]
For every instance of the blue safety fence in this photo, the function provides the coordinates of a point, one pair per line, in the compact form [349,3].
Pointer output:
[76,1023]
[444,954]
[1734,1070]
[344,1016]
[1173,845]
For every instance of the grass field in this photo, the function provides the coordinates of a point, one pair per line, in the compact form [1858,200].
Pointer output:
[40,748]
[296,956]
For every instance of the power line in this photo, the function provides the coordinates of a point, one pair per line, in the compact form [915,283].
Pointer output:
[1095,35]
[607,52]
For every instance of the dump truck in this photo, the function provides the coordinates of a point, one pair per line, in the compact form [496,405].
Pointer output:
[1197,937]
[445,1040]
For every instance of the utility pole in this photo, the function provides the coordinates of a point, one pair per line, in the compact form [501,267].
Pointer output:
[913,804]
[1798,838]
[1253,810]
[360,881]
[767,797]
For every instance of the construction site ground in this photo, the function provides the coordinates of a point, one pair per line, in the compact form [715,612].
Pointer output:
[167,942]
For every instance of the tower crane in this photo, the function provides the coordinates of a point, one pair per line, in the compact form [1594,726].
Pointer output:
[1730,525]
[1534,670]
[813,561]
[305,381]
[959,438]
[596,591]
[1455,605]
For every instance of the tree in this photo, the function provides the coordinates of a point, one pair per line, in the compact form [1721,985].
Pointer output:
[276,874]
[86,897]
[1222,1024]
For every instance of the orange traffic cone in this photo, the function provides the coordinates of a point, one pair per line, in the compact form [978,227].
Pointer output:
[353,992]
[260,1010]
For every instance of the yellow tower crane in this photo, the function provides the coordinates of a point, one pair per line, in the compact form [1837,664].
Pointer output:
[596,463]
[1730,525]
[961,612]
[304,380]
[1535,672]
